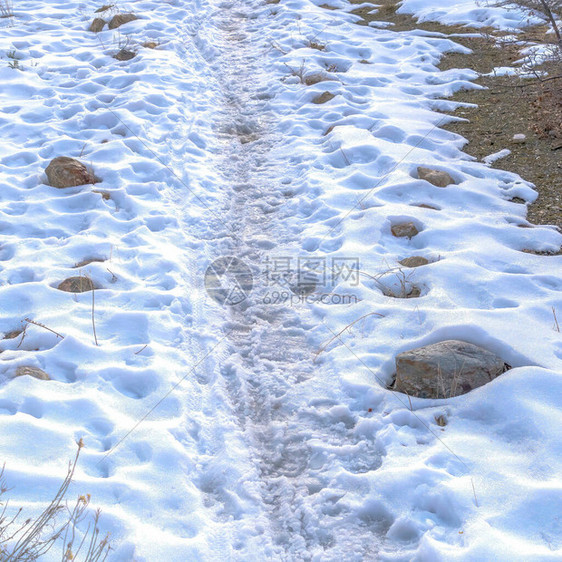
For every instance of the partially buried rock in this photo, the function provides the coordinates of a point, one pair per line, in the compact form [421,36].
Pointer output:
[34,372]
[125,54]
[404,230]
[323,98]
[68,172]
[446,369]
[97,25]
[435,177]
[414,261]
[120,19]
[79,284]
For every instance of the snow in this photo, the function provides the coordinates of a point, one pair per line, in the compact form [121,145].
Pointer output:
[472,13]
[266,431]
[491,158]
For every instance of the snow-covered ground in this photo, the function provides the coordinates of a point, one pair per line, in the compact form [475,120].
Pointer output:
[259,431]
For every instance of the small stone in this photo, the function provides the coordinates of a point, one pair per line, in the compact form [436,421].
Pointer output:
[441,420]
[435,177]
[446,369]
[426,206]
[34,372]
[125,54]
[519,139]
[12,334]
[104,8]
[79,284]
[323,98]
[404,230]
[150,44]
[121,19]
[68,172]
[414,261]
[97,25]
[315,78]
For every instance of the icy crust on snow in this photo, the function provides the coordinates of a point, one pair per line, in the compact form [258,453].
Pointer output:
[352,165]
[142,126]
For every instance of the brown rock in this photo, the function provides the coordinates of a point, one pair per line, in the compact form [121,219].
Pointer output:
[315,78]
[435,177]
[125,54]
[323,98]
[104,8]
[404,229]
[150,44]
[121,19]
[97,25]
[79,284]
[68,172]
[426,206]
[414,261]
[34,372]
[446,369]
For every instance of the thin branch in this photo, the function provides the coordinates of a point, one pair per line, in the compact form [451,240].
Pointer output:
[35,323]
[324,347]
[93,311]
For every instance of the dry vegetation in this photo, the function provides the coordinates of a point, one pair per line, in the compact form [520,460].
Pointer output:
[31,539]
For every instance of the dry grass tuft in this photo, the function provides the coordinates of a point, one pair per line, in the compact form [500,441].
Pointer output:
[32,539]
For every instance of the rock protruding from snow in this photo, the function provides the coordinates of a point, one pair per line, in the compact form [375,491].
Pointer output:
[34,372]
[435,177]
[121,19]
[446,369]
[97,25]
[414,261]
[404,230]
[124,55]
[68,172]
[323,98]
[78,284]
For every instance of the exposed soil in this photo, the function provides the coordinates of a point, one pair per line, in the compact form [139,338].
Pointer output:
[508,106]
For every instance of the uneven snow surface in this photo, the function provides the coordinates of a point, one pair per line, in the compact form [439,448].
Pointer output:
[264,430]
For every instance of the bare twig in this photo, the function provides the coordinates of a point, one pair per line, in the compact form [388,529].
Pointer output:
[325,346]
[555,320]
[474,492]
[35,323]
[93,312]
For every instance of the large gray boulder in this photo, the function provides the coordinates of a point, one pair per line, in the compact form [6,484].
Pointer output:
[446,369]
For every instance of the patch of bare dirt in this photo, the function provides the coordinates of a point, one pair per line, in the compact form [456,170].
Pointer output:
[508,106]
